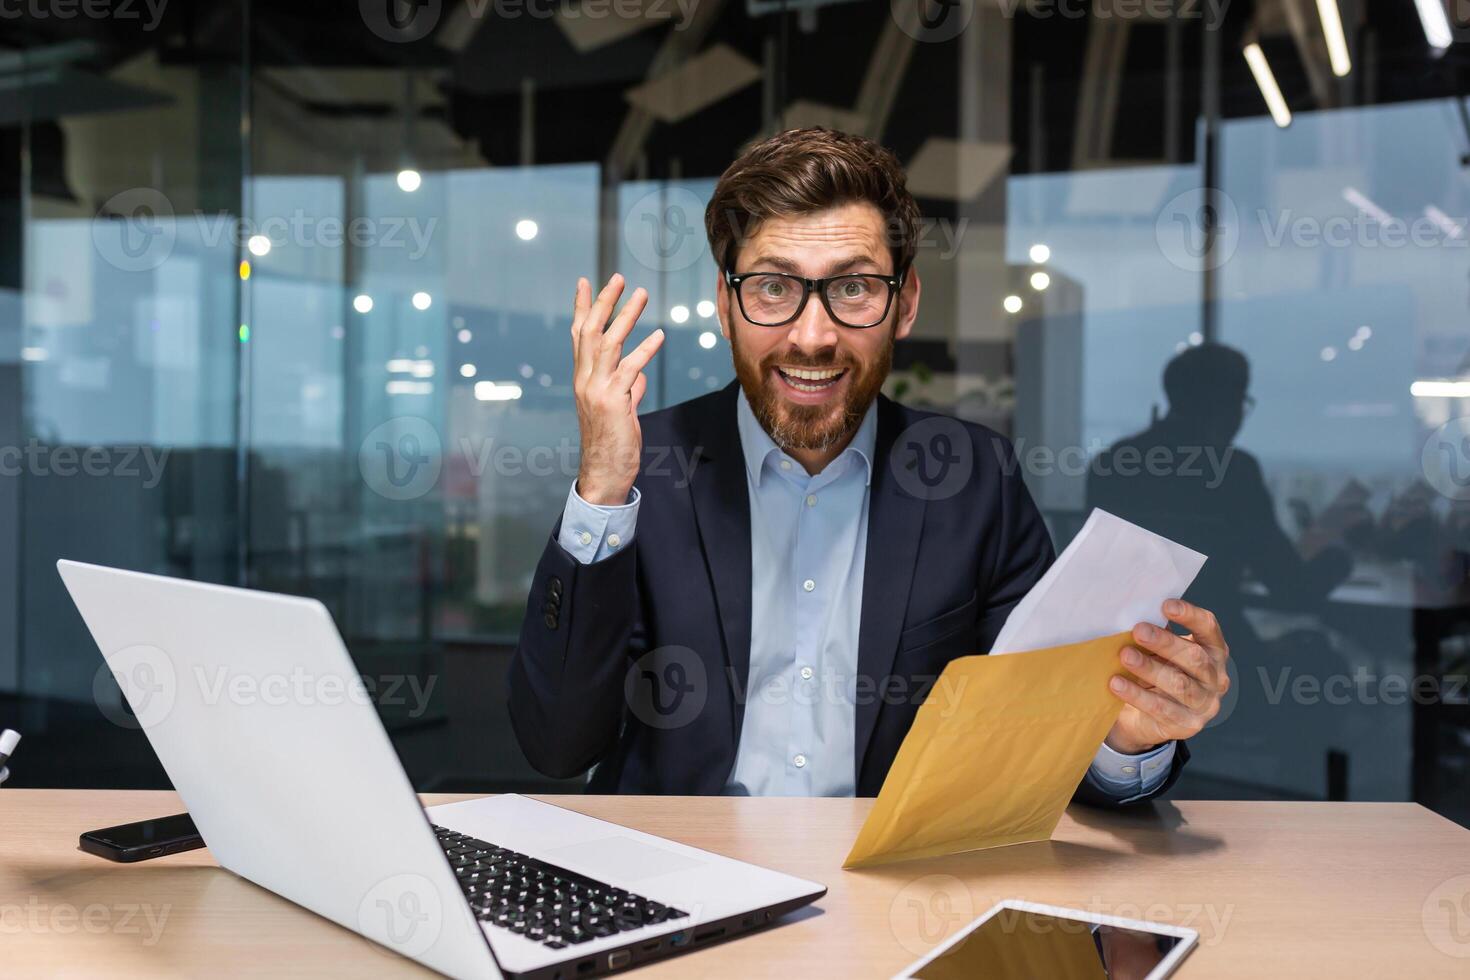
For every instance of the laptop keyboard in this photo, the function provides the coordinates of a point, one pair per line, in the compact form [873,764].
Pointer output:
[540,901]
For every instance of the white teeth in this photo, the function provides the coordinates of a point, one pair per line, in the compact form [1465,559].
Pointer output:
[810,375]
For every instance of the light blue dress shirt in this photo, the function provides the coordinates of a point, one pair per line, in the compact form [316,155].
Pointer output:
[808,549]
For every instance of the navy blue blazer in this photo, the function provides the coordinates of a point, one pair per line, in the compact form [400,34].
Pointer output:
[637,664]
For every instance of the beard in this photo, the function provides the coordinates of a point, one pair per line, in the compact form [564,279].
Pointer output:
[814,428]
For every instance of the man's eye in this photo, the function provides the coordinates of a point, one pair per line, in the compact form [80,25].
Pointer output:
[852,289]
[773,288]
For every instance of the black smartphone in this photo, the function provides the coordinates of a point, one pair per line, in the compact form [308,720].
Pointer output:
[144,839]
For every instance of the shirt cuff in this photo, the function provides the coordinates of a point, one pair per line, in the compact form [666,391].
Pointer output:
[592,532]
[1127,777]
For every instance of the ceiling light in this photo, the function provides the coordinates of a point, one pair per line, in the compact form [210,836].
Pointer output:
[400,387]
[362,303]
[1440,389]
[1436,25]
[409,180]
[1040,253]
[497,391]
[1337,50]
[1266,82]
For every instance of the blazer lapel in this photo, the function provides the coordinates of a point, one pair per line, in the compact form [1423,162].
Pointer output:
[895,521]
[722,514]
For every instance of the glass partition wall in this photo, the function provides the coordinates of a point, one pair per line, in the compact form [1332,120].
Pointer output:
[286,292]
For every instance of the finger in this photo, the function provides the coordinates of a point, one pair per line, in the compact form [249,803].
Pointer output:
[580,305]
[639,357]
[1168,714]
[640,385]
[1201,622]
[1183,653]
[1165,679]
[622,325]
[593,322]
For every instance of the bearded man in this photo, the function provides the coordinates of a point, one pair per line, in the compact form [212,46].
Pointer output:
[768,620]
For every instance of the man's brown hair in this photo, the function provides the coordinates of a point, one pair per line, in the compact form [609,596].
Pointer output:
[805,170]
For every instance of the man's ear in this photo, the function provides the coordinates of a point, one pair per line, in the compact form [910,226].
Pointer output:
[908,304]
[723,299]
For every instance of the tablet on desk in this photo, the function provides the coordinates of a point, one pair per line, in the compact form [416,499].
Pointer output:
[1018,940]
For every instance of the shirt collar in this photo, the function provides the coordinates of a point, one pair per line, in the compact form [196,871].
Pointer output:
[758,446]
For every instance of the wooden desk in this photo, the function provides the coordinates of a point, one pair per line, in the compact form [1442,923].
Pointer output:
[1275,889]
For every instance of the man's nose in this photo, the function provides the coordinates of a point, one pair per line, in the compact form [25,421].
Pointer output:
[814,330]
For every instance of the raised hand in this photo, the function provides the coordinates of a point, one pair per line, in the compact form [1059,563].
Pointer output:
[608,388]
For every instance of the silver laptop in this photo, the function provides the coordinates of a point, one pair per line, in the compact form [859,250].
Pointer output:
[270,736]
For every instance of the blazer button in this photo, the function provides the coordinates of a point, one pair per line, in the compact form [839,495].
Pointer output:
[553,587]
[550,621]
[551,608]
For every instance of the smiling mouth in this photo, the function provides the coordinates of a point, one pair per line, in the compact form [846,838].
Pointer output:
[811,379]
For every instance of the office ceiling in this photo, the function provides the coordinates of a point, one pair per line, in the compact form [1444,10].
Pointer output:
[588,77]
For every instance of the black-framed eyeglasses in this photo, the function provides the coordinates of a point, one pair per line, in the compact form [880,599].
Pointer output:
[774,299]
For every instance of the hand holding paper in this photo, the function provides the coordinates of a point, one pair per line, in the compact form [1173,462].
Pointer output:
[1116,576]
[996,758]
[1179,680]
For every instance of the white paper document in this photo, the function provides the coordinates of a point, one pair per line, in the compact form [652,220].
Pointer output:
[1112,576]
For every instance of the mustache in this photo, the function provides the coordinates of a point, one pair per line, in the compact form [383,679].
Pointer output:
[811,363]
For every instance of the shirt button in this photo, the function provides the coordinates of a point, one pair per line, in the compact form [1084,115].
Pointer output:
[811,500]
[586,537]
[806,673]
[808,585]
[799,761]
[786,464]
[613,540]
[1129,770]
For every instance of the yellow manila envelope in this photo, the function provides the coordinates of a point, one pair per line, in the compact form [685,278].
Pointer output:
[995,753]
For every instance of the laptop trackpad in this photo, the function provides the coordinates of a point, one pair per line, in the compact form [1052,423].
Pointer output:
[620,859]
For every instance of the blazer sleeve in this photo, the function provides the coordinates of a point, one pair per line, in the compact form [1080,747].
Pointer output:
[581,626]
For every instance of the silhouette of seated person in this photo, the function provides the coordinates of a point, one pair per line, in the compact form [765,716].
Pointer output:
[1184,478]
